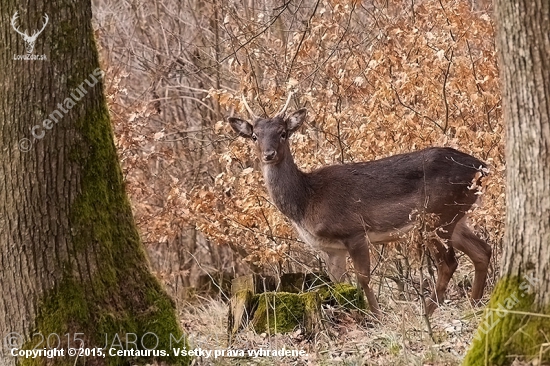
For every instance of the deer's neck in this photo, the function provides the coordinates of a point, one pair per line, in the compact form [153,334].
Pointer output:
[287,186]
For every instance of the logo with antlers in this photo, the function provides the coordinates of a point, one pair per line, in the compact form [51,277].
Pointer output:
[29,40]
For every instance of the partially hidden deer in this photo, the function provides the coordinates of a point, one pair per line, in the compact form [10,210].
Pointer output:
[341,209]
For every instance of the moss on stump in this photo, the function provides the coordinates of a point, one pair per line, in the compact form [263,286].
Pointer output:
[343,294]
[281,312]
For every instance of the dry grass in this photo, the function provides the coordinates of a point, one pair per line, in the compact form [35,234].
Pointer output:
[347,339]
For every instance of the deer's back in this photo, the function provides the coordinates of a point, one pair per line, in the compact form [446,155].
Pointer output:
[381,196]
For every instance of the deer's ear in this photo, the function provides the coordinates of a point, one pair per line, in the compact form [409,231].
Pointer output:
[295,120]
[240,126]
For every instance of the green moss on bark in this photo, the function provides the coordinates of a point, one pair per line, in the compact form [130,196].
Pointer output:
[511,327]
[100,286]
[107,291]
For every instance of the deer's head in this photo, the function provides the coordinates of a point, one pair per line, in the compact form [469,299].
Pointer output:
[270,135]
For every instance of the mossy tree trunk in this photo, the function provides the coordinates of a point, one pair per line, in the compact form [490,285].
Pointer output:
[519,327]
[71,261]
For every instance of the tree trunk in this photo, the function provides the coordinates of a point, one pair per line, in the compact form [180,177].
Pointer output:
[72,267]
[517,321]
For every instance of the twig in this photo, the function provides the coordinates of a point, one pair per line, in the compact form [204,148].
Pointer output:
[445,92]
[425,315]
[423,257]
[301,40]
[413,110]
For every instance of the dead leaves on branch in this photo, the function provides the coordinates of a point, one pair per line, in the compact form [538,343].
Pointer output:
[377,81]
[378,78]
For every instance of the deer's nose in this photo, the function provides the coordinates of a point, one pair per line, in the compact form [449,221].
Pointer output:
[269,155]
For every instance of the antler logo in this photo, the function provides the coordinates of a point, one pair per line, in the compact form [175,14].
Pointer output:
[29,40]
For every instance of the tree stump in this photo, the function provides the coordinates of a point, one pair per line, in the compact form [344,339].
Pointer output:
[255,302]
[283,312]
[241,304]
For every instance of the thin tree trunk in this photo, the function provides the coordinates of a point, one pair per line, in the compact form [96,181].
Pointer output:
[72,266]
[520,325]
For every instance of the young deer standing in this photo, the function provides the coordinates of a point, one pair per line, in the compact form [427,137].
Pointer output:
[341,209]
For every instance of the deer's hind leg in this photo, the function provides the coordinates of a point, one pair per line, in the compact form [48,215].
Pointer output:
[446,267]
[479,252]
[463,239]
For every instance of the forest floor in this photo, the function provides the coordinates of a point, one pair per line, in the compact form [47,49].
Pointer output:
[346,338]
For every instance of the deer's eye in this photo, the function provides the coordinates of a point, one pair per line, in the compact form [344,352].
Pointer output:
[254,137]
[283,135]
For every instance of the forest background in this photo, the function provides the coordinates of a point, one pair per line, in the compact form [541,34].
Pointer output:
[377,77]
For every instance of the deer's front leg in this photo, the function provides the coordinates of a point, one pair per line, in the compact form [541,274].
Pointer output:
[358,249]
[336,262]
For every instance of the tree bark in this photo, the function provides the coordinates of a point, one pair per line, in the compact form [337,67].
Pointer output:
[517,321]
[72,267]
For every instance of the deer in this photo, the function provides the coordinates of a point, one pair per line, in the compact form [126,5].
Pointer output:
[342,209]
